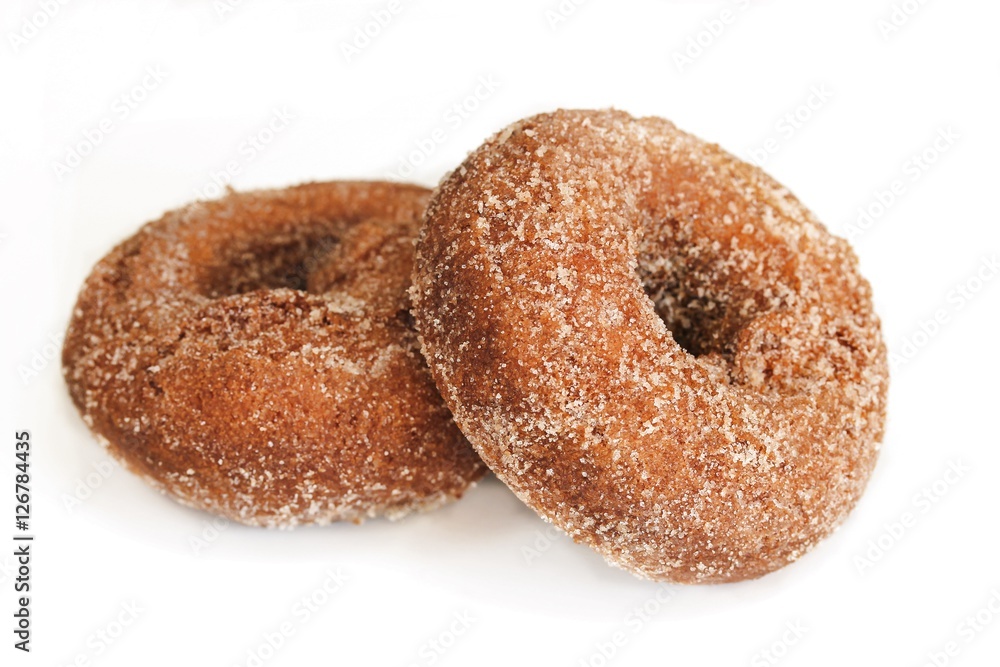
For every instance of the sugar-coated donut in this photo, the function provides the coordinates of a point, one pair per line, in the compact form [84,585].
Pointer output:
[654,344]
[254,357]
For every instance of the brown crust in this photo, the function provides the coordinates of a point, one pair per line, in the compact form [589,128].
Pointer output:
[253,356]
[655,345]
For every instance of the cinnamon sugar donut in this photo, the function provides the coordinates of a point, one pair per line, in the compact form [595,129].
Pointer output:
[654,344]
[254,357]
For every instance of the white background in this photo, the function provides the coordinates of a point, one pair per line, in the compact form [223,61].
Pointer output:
[104,541]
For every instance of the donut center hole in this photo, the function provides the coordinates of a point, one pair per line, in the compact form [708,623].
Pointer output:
[699,289]
[268,264]
[689,316]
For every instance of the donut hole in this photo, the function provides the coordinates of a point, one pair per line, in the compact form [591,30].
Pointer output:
[697,319]
[267,264]
[695,305]
[700,287]
[260,259]
[352,263]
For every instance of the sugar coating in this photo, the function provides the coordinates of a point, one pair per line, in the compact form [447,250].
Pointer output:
[652,343]
[254,357]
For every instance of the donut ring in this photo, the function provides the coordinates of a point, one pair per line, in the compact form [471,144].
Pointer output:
[652,343]
[254,357]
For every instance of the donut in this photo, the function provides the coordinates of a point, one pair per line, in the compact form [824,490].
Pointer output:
[254,357]
[656,346]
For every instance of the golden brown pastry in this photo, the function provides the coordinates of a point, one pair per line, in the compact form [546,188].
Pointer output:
[254,357]
[652,343]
